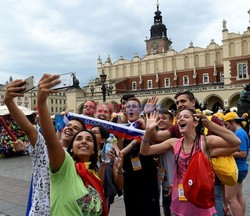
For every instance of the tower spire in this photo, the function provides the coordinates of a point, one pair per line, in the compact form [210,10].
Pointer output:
[158,42]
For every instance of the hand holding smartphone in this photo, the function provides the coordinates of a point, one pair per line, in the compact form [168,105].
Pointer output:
[67,80]
[29,84]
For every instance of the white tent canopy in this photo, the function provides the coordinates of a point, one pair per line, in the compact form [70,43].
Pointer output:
[4,110]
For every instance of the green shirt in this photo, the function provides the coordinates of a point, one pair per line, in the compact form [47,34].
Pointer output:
[69,196]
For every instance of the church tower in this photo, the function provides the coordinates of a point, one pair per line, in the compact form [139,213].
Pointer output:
[158,42]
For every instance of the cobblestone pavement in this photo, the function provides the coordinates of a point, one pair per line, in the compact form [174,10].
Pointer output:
[15,174]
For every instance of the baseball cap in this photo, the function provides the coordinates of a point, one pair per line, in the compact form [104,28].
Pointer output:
[219,115]
[232,116]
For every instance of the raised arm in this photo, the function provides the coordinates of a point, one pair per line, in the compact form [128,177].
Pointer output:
[160,148]
[55,149]
[118,172]
[156,136]
[11,92]
[224,139]
[160,136]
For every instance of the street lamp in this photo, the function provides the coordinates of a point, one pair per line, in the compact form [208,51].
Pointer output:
[105,89]
[92,89]
[103,77]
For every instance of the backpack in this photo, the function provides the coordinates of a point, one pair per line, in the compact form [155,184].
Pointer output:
[226,169]
[198,181]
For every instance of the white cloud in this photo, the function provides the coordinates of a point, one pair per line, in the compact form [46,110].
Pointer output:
[38,36]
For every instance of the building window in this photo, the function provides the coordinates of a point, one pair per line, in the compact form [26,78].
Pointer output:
[150,84]
[167,82]
[2,96]
[222,77]
[56,110]
[34,102]
[205,78]
[242,71]
[52,100]
[134,85]
[56,101]
[185,80]
[52,109]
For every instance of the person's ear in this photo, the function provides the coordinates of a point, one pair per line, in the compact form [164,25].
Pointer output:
[193,103]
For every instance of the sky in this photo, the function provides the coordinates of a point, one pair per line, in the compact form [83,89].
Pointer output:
[58,36]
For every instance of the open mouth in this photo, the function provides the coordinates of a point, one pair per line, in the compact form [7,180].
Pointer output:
[182,124]
[68,133]
[131,113]
[103,117]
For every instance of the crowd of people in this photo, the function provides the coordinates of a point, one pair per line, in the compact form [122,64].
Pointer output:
[69,176]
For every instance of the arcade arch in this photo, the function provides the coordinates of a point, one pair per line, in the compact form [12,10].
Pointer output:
[167,104]
[213,102]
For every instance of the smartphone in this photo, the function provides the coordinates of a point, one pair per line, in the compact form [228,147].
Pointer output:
[29,84]
[67,80]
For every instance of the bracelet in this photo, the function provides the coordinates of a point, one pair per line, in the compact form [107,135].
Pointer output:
[133,144]
[145,140]
[120,172]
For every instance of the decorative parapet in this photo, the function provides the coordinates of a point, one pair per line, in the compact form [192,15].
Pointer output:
[167,91]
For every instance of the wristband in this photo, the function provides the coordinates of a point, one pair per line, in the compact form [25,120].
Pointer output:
[133,144]
[145,140]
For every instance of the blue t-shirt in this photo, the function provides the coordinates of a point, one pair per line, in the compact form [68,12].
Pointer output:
[242,162]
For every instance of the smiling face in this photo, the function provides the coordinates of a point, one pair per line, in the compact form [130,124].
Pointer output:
[166,121]
[186,122]
[183,102]
[70,130]
[89,108]
[132,110]
[103,112]
[83,146]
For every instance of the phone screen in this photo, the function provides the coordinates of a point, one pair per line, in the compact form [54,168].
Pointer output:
[66,81]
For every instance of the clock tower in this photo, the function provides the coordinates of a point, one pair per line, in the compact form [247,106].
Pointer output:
[158,42]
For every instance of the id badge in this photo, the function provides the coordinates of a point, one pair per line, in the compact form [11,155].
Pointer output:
[161,173]
[136,163]
[181,193]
